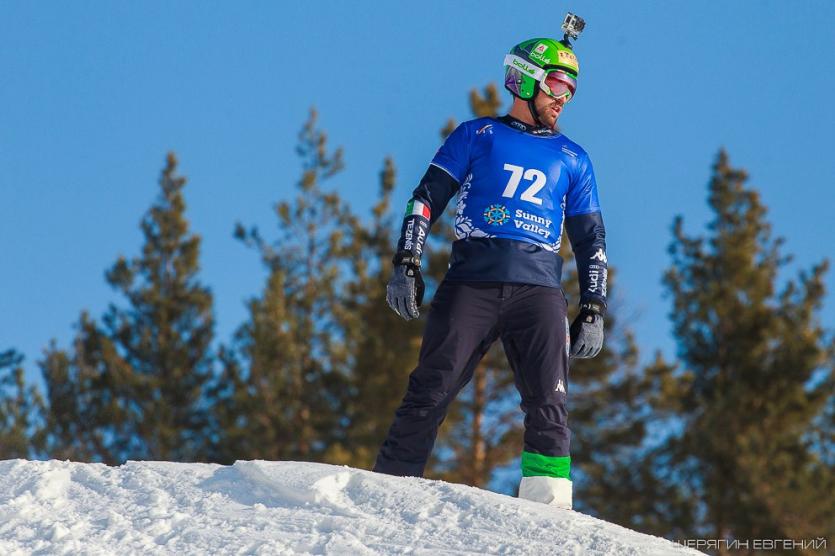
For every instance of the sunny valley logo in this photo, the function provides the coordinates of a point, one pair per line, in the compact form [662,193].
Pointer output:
[496,215]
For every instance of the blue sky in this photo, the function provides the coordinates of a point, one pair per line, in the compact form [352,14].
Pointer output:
[94,94]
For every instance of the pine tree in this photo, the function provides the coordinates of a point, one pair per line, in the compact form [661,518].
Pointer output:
[610,408]
[758,375]
[90,415]
[20,408]
[133,386]
[281,393]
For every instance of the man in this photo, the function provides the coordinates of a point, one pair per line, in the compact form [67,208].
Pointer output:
[519,181]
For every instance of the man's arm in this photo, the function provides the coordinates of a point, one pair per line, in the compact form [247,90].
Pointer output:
[588,240]
[404,292]
[429,199]
[587,234]
[584,225]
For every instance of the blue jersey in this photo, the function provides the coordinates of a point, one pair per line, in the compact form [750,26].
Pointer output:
[516,185]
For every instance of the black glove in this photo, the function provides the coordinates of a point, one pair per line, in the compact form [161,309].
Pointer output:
[587,332]
[404,292]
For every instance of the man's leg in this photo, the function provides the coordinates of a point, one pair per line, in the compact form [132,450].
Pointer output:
[534,333]
[461,326]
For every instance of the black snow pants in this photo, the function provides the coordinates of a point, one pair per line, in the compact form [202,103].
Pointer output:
[465,318]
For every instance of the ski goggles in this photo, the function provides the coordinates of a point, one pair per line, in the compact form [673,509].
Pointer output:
[558,84]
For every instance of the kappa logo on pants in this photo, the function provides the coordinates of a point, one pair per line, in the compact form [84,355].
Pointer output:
[560,387]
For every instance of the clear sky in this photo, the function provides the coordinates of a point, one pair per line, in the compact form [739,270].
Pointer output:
[93,94]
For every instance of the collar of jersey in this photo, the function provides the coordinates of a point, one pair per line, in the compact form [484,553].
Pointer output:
[519,125]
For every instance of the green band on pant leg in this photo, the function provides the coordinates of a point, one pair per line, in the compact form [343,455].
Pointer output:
[537,465]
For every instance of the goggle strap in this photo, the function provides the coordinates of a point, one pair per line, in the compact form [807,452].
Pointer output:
[524,66]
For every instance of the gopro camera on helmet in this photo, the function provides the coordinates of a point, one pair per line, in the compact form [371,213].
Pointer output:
[573,26]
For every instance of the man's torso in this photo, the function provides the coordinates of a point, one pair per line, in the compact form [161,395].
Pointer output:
[516,185]
[512,200]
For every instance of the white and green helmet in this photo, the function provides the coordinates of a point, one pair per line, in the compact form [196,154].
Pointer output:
[529,62]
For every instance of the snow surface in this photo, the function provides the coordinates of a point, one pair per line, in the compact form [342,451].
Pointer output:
[260,507]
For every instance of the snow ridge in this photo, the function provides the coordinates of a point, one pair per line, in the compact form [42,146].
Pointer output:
[260,507]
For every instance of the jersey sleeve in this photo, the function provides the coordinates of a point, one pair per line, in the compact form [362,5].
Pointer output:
[454,155]
[584,225]
[582,193]
[429,199]
[435,190]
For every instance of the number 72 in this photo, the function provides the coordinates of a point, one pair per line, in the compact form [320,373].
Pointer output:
[531,174]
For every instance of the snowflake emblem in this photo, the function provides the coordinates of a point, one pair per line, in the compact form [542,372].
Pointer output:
[496,215]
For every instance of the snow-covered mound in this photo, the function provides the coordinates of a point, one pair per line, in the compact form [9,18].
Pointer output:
[259,507]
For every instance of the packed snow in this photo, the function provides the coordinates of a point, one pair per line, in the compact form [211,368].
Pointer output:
[261,507]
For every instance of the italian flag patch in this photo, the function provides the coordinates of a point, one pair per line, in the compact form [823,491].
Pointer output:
[416,208]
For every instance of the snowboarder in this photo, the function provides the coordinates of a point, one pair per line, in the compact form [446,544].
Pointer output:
[519,181]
